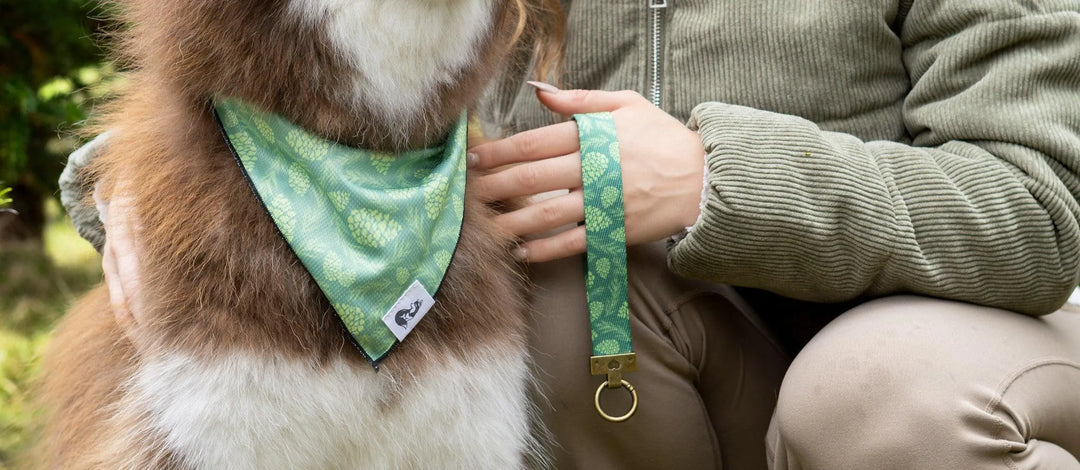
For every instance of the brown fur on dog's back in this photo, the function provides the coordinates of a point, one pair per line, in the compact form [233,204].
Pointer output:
[94,360]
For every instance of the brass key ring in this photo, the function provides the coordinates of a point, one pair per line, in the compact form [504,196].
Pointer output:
[616,419]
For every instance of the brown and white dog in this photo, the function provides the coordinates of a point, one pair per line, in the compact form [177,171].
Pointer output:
[240,361]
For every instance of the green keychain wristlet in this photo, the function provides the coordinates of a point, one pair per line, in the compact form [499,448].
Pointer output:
[605,257]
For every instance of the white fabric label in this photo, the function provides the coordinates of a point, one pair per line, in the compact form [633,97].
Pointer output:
[408,310]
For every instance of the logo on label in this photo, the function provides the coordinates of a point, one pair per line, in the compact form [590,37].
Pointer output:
[406,313]
[403,316]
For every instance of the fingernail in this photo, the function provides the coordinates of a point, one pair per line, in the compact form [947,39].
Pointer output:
[471,159]
[519,253]
[544,87]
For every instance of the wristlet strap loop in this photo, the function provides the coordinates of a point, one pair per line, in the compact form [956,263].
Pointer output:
[605,256]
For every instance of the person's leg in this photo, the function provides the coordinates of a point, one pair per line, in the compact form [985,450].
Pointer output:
[911,382]
[707,380]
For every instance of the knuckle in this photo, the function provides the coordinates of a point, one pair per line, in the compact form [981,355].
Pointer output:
[526,142]
[629,96]
[580,97]
[549,214]
[528,176]
[508,223]
[576,243]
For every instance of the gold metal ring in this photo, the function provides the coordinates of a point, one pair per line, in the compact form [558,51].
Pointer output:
[616,419]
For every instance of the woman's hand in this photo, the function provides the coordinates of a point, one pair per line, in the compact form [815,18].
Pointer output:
[120,261]
[662,167]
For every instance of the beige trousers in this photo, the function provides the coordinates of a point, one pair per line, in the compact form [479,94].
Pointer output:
[903,382]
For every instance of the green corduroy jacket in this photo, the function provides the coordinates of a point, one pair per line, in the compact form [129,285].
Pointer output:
[857,148]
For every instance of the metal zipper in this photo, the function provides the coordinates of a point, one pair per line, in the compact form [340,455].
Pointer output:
[657,6]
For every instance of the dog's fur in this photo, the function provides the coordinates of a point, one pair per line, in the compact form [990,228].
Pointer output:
[241,362]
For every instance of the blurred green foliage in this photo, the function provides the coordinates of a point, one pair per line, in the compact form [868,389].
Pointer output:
[38,282]
[51,71]
[50,67]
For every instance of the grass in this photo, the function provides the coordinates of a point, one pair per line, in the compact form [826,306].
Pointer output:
[38,282]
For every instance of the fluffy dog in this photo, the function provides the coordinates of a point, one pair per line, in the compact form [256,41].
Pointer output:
[241,361]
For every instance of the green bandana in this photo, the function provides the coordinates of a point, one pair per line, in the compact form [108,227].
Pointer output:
[376,230]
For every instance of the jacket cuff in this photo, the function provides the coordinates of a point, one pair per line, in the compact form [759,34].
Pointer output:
[75,192]
[763,223]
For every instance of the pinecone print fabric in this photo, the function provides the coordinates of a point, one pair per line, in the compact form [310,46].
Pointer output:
[605,235]
[364,224]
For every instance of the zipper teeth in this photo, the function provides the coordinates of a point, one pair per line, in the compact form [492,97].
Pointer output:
[656,7]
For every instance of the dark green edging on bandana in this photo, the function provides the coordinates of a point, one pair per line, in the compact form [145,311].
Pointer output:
[364,224]
[605,235]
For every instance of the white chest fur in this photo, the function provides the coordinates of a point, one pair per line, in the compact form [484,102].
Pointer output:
[253,412]
[402,49]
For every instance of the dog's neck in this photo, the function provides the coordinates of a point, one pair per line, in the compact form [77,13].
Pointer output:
[402,51]
[380,74]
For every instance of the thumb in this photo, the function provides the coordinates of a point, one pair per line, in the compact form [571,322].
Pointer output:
[568,102]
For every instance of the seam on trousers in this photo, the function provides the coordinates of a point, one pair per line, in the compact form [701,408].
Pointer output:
[1003,388]
[669,325]
[718,457]
[743,310]
[679,342]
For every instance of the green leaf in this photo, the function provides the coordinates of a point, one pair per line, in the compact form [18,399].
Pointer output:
[58,86]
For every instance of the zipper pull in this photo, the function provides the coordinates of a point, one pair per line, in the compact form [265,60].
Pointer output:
[657,4]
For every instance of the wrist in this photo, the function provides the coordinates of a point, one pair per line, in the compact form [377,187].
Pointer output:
[694,214]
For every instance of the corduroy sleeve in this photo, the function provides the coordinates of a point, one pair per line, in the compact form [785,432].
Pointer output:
[981,207]
[75,192]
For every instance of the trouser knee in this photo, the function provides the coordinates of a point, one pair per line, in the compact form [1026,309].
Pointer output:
[910,382]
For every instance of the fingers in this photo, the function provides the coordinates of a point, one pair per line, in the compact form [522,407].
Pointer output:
[113,281]
[536,144]
[120,261]
[125,252]
[553,140]
[568,243]
[531,178]
[545,215]
[117,300]
[549,160]
[568,102]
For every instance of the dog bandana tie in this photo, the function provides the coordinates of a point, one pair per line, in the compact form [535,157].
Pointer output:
[605,256]
[376,230]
